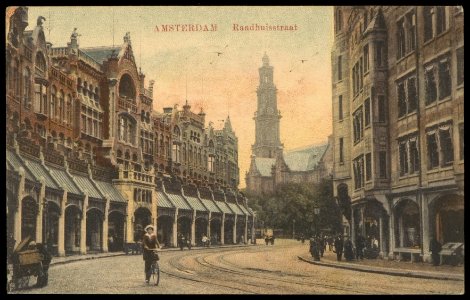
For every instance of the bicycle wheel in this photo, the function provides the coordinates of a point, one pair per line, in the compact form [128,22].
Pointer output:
[155,277]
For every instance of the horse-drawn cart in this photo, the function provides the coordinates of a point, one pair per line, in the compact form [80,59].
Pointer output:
[25,262]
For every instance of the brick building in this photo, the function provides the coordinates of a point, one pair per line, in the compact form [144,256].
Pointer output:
[398,120]
[89,159]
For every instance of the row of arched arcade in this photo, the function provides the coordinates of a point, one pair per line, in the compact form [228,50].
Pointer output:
[402,226]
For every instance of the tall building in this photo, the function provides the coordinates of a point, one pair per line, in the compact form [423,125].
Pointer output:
[270,165]
[398,119]
[267,117]
[87,157]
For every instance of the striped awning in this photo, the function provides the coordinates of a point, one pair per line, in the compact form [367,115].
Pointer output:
[64,181]
[178,201]
[39,171]
[236,209]
[15,163]
[111,191]
[243,208]
[195,203]
[211,205]
[224,207]
[86,186]
[163,201]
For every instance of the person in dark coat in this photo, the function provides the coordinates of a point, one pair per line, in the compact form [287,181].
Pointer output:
[314,249]
[321,245]
[150,243]
[348,250]
[435,247]
[266,239]
[43,276]
[360,245]
[339,248]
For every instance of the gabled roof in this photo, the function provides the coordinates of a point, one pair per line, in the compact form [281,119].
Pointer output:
[263,165]
[304,159]
[100,54]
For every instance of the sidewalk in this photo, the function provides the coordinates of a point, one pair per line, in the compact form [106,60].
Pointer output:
[390,267]
[59,260]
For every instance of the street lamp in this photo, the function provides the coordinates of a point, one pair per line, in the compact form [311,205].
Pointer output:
[293,229]
[316,211]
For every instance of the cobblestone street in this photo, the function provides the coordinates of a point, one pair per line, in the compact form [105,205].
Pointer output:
[247,270]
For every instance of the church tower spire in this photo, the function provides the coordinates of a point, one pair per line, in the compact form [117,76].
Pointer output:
[267,117]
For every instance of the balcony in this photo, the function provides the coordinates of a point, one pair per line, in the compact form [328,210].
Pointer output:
[127,104]
[60,52]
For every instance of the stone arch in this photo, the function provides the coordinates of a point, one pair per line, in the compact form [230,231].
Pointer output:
[407,223]
[165,230]
[127,88]
[116,221]
[446,217]
[94,229]
[73,217]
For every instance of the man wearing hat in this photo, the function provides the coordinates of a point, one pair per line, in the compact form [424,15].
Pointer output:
[150,244]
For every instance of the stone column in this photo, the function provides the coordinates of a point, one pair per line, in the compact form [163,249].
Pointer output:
[401,230]
[382,253]
[253,233]
[130,218]
[425,228]
[193,229]
[392,234]
[105,245]
[352,230]
[40,217]
[83,226]
[222,230]
[234,229]
[363,225]
[174,241]
[245,235]
[61,232]
[209,226]
[17,213]
[154,210]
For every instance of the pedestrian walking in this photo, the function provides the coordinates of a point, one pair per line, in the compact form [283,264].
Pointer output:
[360,245]
[435,247]
[266,239]
[339,247]
[314,251]
[321,245]
[348,250]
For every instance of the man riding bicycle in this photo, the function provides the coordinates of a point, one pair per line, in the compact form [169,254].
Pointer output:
[150,244]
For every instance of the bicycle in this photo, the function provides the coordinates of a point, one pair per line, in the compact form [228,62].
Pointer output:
[155,269]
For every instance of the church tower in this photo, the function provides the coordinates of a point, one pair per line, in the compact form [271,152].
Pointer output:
[267,117]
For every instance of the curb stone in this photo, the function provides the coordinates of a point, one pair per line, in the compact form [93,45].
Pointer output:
[392,272]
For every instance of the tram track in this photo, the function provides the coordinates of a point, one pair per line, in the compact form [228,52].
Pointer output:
[256,278]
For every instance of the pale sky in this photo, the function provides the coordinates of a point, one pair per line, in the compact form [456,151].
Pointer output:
[221,84]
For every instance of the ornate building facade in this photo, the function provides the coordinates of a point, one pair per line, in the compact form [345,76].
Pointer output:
[88,158]
[270,165]
[398,118]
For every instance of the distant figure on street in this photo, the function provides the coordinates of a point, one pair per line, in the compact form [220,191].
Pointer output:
[331,242]
[205,241]
[435,247]
[360,245]
[339,247]
[266,239]
[302,238]
[272,239]
[348,250]
[314,249]
[321,245]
